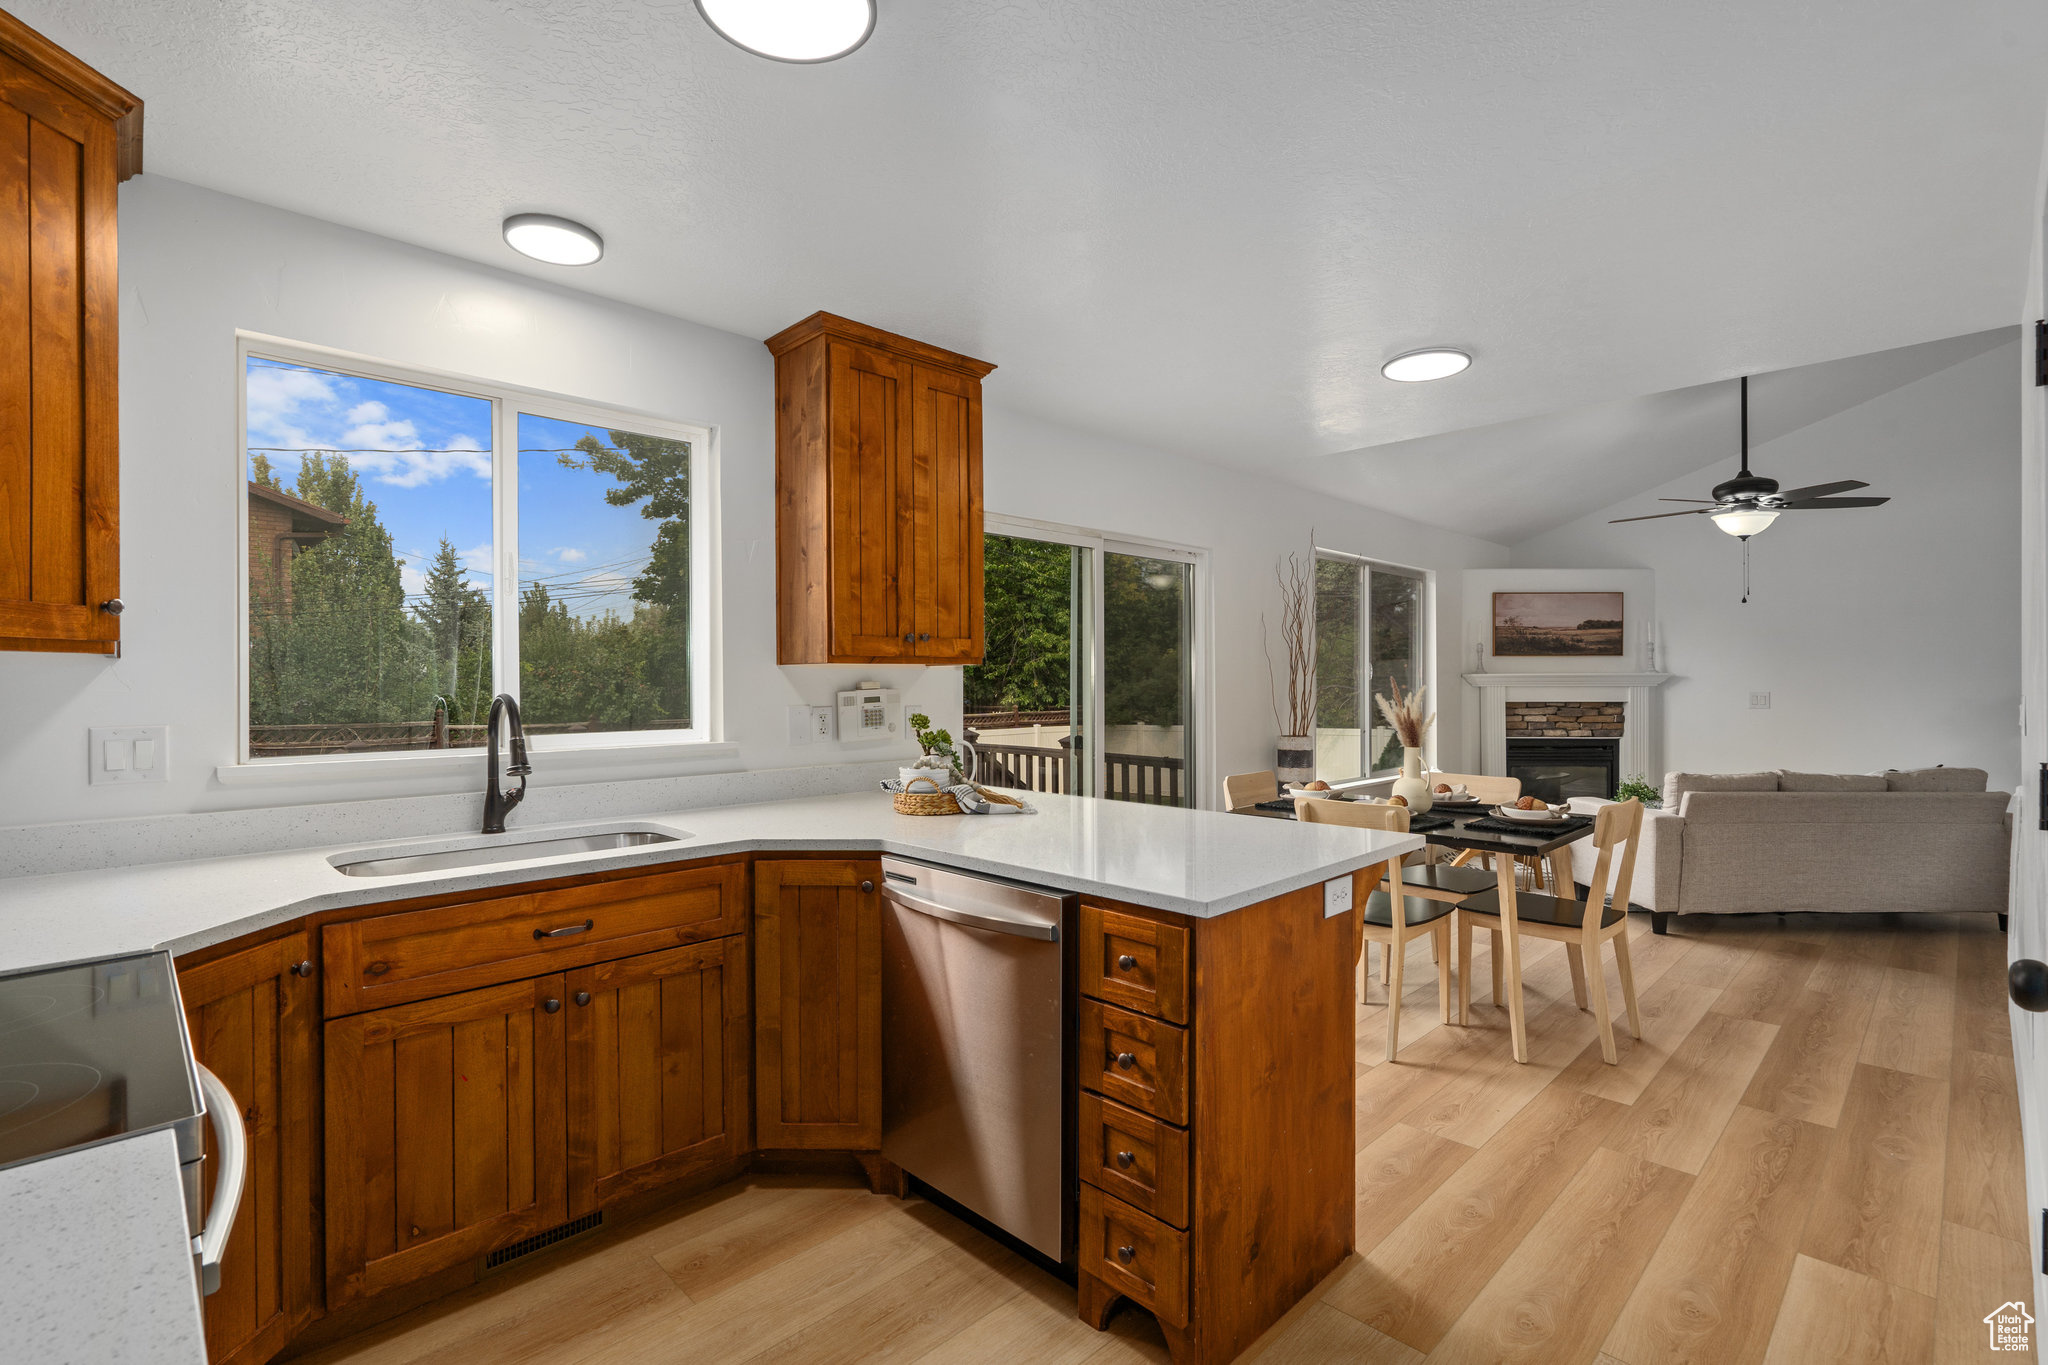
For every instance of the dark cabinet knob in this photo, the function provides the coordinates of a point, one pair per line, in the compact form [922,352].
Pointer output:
[2027,982]
[583,997]
[302,969]
[551,1005]
[906,639]
[1127,963]
[1124,1158]
[922,637]
[1126,1060]
[866,887]
[1127,1254]
[113,606]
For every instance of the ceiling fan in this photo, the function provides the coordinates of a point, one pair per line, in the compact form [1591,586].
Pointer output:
[1749,502]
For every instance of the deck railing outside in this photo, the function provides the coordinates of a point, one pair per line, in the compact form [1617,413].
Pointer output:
[1131,777]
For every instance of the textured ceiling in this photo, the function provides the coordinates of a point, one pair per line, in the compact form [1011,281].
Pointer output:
[1197,224]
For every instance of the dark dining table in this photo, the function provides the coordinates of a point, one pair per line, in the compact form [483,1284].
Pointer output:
[1455,832]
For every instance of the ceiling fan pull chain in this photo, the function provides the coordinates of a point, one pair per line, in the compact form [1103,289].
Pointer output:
[1745,570]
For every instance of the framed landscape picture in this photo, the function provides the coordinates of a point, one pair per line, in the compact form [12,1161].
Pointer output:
[1534,625]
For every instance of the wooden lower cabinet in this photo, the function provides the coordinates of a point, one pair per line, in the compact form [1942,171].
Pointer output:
[254,1020]
[658,1069]
[445,1133]
[818,1004]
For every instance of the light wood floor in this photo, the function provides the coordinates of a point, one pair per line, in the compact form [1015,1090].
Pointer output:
[1813,1155]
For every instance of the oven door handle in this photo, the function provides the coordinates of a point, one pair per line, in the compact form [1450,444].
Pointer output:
[232,1139]
[995,924]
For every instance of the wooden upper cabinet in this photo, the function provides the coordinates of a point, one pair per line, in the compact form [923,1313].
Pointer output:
[67,136]
[445,1132]
[254,1018]
[818,1004]
[878,497]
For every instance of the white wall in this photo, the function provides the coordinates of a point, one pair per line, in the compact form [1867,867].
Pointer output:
[1885,635]
[1043,472]
[197,265]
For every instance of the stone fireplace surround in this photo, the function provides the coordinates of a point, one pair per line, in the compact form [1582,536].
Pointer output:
[1640,747]
[1566,719]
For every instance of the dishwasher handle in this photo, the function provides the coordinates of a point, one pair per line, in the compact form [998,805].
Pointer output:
[995,924]
[233,1140]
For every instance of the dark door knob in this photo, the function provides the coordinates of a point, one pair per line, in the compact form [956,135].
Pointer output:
[1126,1060]
[551,1005]
[583,997]
[1127,962]
[2027,981]
[866,887]
[302,969]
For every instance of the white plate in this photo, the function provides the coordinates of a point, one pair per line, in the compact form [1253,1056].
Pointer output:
[1546,816]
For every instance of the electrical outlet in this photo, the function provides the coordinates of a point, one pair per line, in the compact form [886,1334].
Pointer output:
[1336,897]
[135,753]
[1759,701]
[821,722]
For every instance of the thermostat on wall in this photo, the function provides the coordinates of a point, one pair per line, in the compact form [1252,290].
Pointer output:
[871,713]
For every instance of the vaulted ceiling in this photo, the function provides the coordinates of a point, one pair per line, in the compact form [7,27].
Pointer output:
[1201,224]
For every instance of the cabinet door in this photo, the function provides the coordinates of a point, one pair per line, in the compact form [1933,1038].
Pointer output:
[870,442]
[943,550]
[58,455]
[254,1022]
[818,1004]
[658,1051]
[444,1132]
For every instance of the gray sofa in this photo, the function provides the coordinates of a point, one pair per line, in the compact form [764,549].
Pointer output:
[1738,843]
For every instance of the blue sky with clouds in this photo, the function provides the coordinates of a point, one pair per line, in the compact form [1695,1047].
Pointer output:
[424,459]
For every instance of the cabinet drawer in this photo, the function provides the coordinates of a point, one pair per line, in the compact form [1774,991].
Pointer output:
[1140,964]
[1134,1060]
[1135,1254]
[416,954]
[1136,1158]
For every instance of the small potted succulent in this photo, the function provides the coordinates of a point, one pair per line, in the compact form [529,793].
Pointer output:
[940,761]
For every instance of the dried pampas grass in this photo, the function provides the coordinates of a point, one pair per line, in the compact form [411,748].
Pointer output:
[1405,715]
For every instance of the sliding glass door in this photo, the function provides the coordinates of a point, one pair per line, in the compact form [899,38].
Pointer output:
[1371,636]
[1086,637]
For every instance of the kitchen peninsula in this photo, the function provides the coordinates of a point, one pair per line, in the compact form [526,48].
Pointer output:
[1211,1015]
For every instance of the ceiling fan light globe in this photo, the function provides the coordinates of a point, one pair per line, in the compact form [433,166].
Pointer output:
[1743,522]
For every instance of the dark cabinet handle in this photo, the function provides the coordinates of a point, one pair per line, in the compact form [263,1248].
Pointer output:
[866,887]
[1127,1254]
[1127,963]
[2027,982]
[1124,1158]
[1125,1060]
[565,930]
[906,639]
[583,997]
[113,606]
[922,637]
[551,1005]
[302,968]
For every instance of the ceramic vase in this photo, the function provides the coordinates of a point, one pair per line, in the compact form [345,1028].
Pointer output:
[1410,783]
[1295,759]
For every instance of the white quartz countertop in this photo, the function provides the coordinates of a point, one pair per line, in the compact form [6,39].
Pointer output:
[96,1265]
[1196,863]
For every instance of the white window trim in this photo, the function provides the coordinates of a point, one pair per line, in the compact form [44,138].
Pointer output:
[1426,665]
[1201,684]
[701,748]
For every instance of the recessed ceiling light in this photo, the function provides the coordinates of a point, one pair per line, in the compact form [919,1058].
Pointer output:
[1438,362]
[792,30]
[558,241]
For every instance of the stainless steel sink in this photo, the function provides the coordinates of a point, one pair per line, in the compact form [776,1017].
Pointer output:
[390,863]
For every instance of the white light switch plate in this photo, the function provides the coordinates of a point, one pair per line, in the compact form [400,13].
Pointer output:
[134,753]
[1336,897]
[1759,701]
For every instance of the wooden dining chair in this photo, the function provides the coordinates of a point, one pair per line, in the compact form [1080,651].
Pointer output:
[1582,926]
[1390,917]
[1248,789]
[1493,791]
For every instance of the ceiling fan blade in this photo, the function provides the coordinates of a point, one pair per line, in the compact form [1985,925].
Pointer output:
[1820,490]
[1697,511]
[1705,502]
[1810,504]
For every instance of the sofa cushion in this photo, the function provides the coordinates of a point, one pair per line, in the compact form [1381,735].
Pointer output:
[1938,780]
[1832,782]
[1677,785]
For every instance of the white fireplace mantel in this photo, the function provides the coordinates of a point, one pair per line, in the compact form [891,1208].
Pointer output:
[1639,748]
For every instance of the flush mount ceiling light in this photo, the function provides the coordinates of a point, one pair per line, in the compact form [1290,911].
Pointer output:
[1438,362]
[792,30]
[558,241]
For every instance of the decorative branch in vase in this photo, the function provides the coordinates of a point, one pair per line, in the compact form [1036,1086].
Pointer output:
[1405,714]
[1295,750]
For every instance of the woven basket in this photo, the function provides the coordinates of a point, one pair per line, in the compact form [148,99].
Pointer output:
[940,802]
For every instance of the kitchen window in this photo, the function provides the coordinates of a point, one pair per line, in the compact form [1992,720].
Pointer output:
[1372,631]
[416,544]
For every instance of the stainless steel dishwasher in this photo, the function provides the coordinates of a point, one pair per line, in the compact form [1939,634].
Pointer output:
[974,1046]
